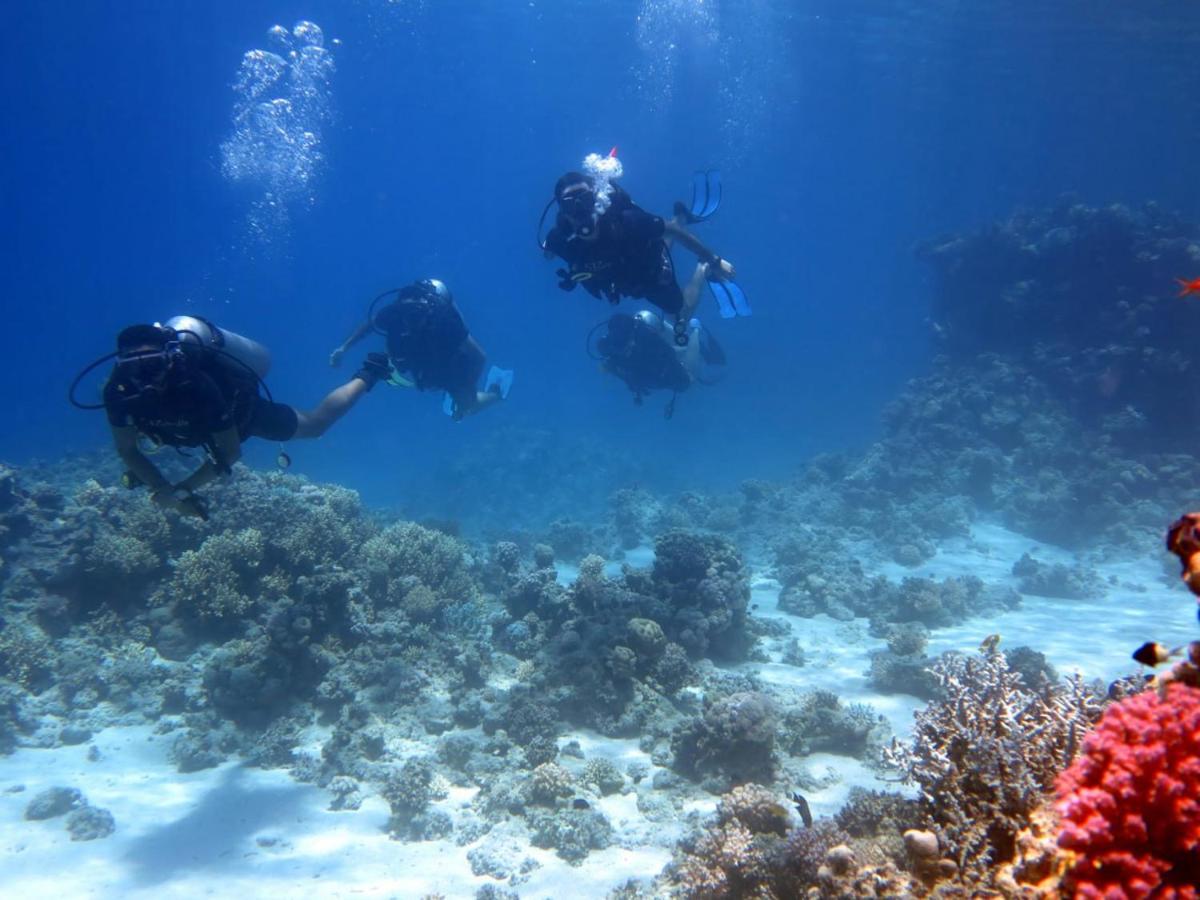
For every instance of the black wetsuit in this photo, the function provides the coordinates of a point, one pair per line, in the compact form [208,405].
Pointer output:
[627,258]
[200,397]
[428,339]
[638,355]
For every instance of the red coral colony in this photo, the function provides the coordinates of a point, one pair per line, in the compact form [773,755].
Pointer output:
[1130,805]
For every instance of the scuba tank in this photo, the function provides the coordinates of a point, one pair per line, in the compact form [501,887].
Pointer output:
[250,354]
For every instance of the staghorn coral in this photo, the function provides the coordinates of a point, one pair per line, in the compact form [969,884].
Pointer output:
[984,756]
[1130,805]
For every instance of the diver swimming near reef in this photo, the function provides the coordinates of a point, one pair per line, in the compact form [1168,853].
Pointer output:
[430,348]
[188,383]
[614,248]
[639,350]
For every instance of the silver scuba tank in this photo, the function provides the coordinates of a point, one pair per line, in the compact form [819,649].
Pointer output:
[246,351]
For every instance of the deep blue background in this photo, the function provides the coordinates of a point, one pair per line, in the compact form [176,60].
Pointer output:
[847,131]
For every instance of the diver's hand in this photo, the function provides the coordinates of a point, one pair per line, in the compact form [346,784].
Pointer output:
[719,269]
[335,358]
[182,501]
[565,281]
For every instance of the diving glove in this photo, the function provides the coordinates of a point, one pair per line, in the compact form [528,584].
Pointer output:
[375,368]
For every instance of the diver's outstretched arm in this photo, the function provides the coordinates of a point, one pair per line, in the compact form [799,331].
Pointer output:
[314,423]
[357,335]
[673,231]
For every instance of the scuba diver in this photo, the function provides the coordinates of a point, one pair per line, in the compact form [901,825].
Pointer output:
[641,351]
[430,348]
[614,248]
[188,383]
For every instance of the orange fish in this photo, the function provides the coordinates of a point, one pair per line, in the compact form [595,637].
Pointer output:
[1183,539]
[1188,287]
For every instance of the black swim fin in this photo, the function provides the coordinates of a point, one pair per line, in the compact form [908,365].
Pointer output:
[706,197]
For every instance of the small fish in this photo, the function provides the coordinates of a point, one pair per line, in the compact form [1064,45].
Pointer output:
[1152,653]
[283,460]
[989,643]
[580,803]
[1188,287]
[802,808]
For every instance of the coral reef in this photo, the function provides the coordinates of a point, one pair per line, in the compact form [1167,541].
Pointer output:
[1130,804]
[751,850]
[985,755]
[734,739]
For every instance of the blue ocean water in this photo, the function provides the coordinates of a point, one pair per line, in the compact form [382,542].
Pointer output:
[846,132]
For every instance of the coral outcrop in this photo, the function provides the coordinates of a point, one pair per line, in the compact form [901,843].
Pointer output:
[985,756]
[1130,804]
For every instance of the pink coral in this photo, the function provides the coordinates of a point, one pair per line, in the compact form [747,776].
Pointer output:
[1130,805]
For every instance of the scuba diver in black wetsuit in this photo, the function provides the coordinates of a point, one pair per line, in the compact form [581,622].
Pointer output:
[189,383]
[624,251]
[430,347]
[641,351]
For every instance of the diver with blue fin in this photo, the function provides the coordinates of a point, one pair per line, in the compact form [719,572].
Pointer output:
[430,348]
[641,351]
[615,249]
[189,384]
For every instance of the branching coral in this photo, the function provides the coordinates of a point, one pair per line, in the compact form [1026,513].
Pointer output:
[984,756]
[410,550]
[1130,805]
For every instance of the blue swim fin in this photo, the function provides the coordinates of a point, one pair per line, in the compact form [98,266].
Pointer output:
[500,379]
[706,194]
[731,299]
[706,197]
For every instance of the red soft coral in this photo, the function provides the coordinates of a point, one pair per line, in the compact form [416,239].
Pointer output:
[1130,804]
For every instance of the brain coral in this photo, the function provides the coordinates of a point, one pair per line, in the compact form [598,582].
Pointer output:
[1130,804]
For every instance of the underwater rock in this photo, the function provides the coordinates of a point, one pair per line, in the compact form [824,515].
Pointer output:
[1056,579]
[603,775]
[501,855]
[756,808]
[820,723]
[55,801]
[547,783]
[571,833]
[735,738]
[893,673]
[90,823]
